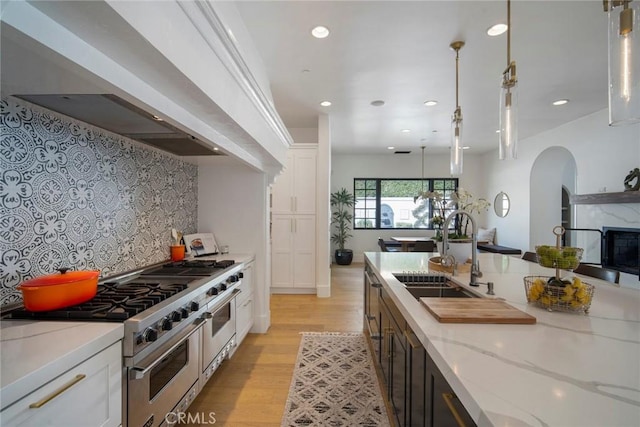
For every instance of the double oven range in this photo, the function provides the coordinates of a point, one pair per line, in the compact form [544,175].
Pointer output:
[179,326]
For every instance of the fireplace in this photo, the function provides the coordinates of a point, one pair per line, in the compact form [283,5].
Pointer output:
[621,250]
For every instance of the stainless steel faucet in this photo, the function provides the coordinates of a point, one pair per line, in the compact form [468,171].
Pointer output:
[475,264]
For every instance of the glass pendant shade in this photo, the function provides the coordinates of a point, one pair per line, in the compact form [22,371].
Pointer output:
[508,120]
[456,146]
[624,64]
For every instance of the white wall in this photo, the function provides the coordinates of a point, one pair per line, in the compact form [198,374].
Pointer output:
[603,156]
[346,167]
[233,205]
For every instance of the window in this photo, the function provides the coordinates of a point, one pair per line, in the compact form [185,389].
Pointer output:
[388,203]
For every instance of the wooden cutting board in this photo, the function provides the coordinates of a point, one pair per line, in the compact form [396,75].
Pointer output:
[475,310]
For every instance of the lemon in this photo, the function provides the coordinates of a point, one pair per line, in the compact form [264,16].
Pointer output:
[568,291]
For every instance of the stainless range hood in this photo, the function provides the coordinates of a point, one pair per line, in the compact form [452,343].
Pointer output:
[116,115]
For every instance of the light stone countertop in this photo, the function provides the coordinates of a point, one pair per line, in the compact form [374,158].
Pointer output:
[33,353]
[567,370]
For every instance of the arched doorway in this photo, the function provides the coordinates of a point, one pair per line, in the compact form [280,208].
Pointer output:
[552,171]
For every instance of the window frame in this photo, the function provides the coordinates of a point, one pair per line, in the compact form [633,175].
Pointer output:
[366,182]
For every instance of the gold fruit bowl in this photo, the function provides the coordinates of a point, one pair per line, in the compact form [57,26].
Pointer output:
[551,293]
[566,258]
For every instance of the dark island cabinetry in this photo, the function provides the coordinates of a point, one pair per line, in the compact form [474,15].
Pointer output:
[415,389]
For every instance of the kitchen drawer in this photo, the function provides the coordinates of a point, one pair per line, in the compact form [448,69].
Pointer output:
[89,394]
[244,317]
[246,292]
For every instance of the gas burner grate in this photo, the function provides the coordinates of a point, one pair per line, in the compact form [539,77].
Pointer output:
[190,268]
[113,302]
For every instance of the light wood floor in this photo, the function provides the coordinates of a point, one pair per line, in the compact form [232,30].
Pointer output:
[251,388]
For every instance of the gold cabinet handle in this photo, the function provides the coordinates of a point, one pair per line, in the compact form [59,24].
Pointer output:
[58,392]
[410,340]
[448,399]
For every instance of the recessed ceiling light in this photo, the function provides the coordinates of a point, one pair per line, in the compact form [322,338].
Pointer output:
[391,148]
[560,102]
[465,147]
[377,103]
[320,32]
[405,130]
[325,103]
[157,119]
[497,29]
[498,131]
[215,148]
[430,103]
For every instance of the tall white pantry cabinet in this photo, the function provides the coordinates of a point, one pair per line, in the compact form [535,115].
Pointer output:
[293,223]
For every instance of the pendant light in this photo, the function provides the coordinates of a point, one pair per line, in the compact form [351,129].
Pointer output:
[624,61]
[508,102]
[456,123]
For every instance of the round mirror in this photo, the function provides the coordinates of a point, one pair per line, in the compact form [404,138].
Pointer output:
[501,204]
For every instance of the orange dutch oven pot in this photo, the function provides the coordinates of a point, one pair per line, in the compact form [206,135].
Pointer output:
[59,290]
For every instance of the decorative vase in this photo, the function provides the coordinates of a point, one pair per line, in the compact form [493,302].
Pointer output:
[343,256]
[459,248]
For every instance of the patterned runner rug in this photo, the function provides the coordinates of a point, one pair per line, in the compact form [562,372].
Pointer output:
[334,383]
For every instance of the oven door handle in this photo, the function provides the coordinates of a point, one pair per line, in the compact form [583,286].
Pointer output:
[219,304]
[138,371]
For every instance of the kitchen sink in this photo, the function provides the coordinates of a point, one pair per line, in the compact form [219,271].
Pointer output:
[422,280]
[439,292]
[437,285]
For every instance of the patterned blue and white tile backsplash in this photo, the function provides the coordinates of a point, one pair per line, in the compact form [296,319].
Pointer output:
[73,195]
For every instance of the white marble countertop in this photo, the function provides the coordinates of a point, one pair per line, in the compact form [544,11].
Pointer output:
[33,353]
[566,370]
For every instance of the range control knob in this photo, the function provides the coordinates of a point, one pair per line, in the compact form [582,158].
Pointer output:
[166,324]
[194,306]
[212,291]
[150,335]
[184,313]
[232,279]
[176,316]
[241,275]
[223,286]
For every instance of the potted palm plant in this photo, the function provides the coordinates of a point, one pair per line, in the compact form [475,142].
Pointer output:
[342,201]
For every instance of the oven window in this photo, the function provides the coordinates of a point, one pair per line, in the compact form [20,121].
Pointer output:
[168,367]
[220,318]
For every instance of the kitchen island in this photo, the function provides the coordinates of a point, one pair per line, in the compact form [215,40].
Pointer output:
[568,369]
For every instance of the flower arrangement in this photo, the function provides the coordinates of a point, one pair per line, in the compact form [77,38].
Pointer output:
[464,201]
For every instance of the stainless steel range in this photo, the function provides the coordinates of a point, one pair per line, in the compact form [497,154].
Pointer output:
[179,323]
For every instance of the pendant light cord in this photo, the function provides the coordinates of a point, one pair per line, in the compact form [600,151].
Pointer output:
[422,168]
[457,57]
[508,33]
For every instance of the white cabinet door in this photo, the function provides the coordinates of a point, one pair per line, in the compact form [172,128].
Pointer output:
[293,253]
[304,256]
[294,191]
[304,182]
[244,304]
[282,251]
[89,394]
[244,318]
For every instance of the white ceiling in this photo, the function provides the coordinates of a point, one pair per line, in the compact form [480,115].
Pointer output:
[399,52]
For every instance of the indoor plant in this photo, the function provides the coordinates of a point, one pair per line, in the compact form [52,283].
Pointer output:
[342,201]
